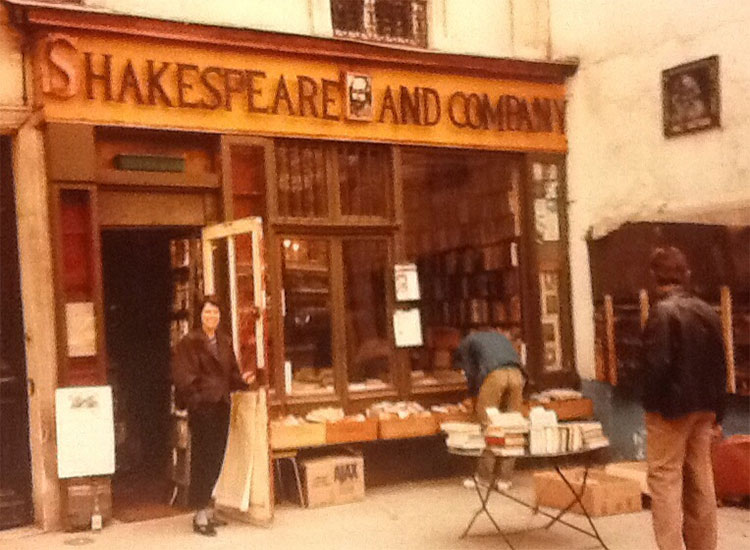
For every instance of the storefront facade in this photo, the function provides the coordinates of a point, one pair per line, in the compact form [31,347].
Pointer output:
[360,161]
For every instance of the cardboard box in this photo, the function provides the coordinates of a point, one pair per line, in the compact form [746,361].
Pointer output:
[293,436]
[411,426]
[605,495]
[458,416]
[570,409]
[336,479]
[637,471]
[345,431]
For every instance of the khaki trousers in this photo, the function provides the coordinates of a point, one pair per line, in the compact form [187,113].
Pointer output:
[502,388]
[681,480]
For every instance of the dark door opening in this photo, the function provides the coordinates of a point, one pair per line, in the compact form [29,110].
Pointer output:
[137,282]
[15,458]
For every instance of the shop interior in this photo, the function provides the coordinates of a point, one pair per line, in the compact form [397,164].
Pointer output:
[462,228]
[139,284]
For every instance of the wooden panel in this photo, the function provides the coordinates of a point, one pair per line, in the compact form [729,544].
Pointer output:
[76,237]
[70,152]
[201,180]
[78,262]
[118,208]
[197,150]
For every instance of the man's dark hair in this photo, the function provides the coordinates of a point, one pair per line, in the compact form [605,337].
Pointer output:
[669,266]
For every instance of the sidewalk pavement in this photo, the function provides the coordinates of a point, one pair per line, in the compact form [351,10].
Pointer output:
[426,515]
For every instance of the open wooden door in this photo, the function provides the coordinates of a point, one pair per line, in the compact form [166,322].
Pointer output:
[234,272]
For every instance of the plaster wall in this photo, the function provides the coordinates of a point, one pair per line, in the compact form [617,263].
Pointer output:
[619,162]
[493,28]
[11,74]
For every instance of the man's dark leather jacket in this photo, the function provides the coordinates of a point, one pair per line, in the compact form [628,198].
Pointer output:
[683,365]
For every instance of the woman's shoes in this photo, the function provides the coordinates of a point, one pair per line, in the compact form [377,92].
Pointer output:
[217,522]
[205,529]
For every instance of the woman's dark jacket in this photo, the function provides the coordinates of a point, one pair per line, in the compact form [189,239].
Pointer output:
[201,377]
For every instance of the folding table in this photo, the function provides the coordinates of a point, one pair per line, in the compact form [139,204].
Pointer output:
[576,497]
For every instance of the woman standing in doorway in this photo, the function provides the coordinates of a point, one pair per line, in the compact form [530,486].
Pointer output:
[205,371]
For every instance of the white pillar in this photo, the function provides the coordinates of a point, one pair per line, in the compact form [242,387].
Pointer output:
[38,296]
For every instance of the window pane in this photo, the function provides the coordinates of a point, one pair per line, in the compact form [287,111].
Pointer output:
[369,350]
[462,227]
[364,180]
[301,176]
[393,18]
[348,15]
[307,320]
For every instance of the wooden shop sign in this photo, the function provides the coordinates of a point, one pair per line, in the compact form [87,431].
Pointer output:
[149,83]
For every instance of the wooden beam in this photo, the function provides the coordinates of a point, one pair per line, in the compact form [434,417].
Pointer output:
[609,327]
[644,306]
[728,337]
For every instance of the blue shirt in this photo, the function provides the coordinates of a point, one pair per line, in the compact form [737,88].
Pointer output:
[480,353]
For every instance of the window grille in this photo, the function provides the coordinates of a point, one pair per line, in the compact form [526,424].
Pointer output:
[393,21]
[307,171]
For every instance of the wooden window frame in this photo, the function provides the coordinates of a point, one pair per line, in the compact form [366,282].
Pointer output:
[553,256]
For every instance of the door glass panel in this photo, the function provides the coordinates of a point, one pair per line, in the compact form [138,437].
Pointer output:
[246,311]
[308,365]
[248,181]
[233,271]
[369,351]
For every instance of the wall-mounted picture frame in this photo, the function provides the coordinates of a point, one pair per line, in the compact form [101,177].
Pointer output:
[358,97]
[691,97]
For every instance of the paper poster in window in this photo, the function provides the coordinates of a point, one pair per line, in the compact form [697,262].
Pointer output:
[81,329]
[407,328]
[407,282]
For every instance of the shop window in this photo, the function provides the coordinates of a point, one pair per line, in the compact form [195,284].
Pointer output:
[720,275]
[369,350]
[462,229]
[302,180]
[394,21]
[364,176]
[358,176]
[306,305]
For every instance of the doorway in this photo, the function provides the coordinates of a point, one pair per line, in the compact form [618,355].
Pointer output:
[15,457]
[138,288]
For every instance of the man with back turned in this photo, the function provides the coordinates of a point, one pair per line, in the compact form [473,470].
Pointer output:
[684,379]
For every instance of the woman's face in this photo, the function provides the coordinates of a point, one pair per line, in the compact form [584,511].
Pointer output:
[210,316]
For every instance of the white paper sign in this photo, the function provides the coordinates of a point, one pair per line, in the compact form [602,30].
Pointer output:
[407,282]
[85,431]
[407,328]
[81,329]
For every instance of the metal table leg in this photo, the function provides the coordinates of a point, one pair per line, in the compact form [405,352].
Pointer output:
[580,502]
[484,499]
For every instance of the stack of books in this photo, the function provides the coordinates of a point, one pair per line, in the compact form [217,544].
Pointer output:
[466,436]
[506,434]
[593,435]
[506,441]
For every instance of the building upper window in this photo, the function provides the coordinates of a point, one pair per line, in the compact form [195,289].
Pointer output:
[393,21]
